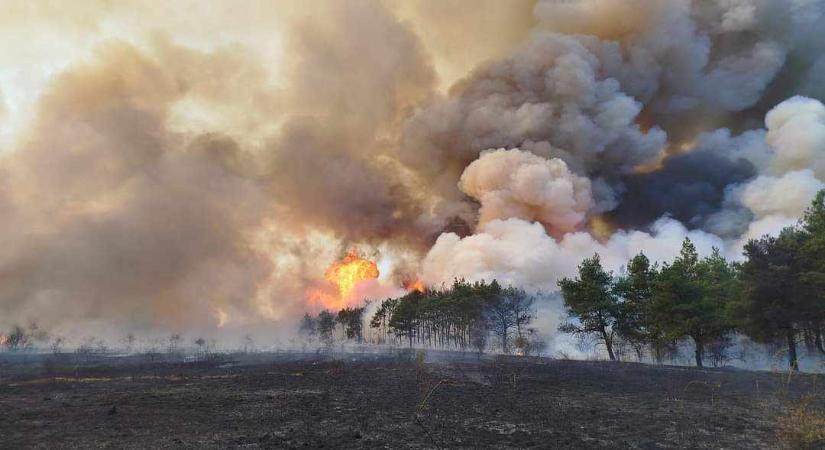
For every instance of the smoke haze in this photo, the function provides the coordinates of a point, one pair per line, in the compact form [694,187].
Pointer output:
[172,167]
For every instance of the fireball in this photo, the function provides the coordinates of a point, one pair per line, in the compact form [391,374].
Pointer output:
[348,272]
[343,276]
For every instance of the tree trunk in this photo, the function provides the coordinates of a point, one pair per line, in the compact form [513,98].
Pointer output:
[609,344]
[700,351]
[818,339]
[504,341]
[793,363]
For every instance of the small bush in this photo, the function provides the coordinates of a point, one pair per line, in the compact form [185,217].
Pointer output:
[802,427]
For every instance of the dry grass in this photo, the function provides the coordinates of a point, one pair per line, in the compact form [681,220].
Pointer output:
[802,427]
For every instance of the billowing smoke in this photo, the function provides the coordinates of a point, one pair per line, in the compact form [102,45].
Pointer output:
[523,254]
[205,170]
[796,132]
[514,183]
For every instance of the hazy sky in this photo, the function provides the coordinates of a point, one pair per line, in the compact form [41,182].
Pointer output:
[198,165]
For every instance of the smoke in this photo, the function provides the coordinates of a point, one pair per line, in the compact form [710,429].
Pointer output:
[686,84]
[513,183]
[688,187]
[106,215]
[521,253]
[796,131]
[204,171]
[788,195]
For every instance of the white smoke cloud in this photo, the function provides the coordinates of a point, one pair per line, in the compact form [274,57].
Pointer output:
[517,252]
[788,195]
[796,131]
[515,183]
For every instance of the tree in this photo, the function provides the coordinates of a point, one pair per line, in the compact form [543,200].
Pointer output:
[326,326]
[174,340]
[380,320]
[129,342]
[248,344]
[309,326]
[57,344]
[478,338]
[17,339]
[635,290]
[690,296]
[590,300]
[404,320]
[774,301]
[720,284]
[813,270]
[505,309]
[351,320]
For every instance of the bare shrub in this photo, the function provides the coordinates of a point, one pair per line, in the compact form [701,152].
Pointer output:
[802,427]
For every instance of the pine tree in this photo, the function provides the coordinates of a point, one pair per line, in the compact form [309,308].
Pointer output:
[635,290]
[590,300]
[774,302]
[688,300]
[813,250]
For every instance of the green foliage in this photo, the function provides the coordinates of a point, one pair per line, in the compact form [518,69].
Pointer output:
[690,298]
[458,316]
[813,272]
[351,320]
[775,302]
[591,300]
[635,291]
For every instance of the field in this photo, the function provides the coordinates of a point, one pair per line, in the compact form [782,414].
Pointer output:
[399,400]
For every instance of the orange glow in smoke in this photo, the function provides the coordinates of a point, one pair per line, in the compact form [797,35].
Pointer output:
[3,340]
[343,276]
[415,285]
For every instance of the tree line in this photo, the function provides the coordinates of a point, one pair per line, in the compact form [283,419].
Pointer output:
[777,294]
[461,316]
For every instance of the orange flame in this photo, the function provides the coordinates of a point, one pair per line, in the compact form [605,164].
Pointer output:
[415,285]
[344,275]
[3,340]
[350,271]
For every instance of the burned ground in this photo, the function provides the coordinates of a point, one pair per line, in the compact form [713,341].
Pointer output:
[399,401]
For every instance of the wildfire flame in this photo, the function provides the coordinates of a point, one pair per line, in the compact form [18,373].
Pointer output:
[3,340]
[415,285]
[343,276]
[348,272]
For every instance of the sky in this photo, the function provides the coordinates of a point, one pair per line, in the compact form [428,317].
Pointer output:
[181,166]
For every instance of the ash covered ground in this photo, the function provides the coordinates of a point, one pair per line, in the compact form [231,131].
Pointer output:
[397,400]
